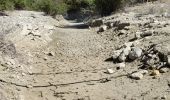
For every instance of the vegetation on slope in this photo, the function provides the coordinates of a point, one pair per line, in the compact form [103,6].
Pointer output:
[53,7]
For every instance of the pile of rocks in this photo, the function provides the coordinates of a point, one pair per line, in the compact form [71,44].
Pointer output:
[156,59]
[127,52]
[139,27]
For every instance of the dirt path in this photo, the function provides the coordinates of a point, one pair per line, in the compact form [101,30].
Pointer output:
[70,65]
[76,71]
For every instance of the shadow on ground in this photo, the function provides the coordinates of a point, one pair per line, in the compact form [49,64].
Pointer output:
[77,26]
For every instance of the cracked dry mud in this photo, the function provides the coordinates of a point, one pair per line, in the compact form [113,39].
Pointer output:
[69,63]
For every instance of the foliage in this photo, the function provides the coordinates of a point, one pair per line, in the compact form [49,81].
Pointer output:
[106,7]
[19,4]
[78,4]
[6,4]
[51,7]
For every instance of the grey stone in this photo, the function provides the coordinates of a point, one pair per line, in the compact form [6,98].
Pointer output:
[129,44]
[116,54]
[147,33]
[135,53]
[136,76]
[123,25]
[163,51]
[163,70]
[126,51]
[138,35]
[121,65]
[123,31]
[143,72]
[95,23]
[122,57]
[110,71]
[102,28]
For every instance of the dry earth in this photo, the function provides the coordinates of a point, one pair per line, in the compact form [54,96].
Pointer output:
[40,60]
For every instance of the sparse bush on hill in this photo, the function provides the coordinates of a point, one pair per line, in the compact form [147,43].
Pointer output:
[78,4]
[106,7]
[6,5]
[51,7]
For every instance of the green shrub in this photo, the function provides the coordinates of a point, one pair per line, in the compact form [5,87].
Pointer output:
[61,8]
[51,7]
[19,4]
[106,7]
[78,4]
[6,5]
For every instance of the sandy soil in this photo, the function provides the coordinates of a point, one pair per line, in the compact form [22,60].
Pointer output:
[70,63]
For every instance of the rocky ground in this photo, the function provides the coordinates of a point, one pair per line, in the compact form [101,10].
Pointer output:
[124,57]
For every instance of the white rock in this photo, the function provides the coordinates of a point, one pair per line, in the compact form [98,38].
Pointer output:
[116,54]
[123,31]
[50,27]
[29,86]
[121,65]
[45,58]
[138,35]
[126,51]
[110,71]
[122,57]
[163,70]
[164,97]
[110,25]
[136,76]
[102,28]
[143,72]
[128,44]
[135,53]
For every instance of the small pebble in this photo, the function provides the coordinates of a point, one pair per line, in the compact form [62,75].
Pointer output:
[163,97]
[128,44]
[29,86]
[102,28]
[51,54]
[126,51]
[110,71]
[138,35]
[116,54]
[122,57]
[121,65]
[45,58]
[136,76]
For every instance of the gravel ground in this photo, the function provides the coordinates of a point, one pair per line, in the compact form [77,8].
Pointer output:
[40,60]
